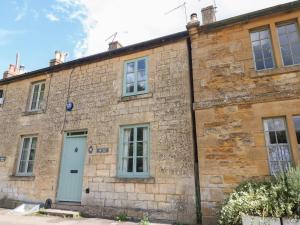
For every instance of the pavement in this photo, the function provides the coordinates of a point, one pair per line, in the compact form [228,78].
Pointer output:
[8,218]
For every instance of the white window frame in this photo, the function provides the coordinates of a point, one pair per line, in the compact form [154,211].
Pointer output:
[260,40]
[289,44]
[283,164]
[18,173]
[38,100]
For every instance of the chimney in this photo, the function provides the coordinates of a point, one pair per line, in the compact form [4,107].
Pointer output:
[208,15]
[59,58]
[14,70]
[114,45]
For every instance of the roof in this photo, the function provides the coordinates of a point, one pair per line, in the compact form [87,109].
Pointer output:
[283,8]
[101,56]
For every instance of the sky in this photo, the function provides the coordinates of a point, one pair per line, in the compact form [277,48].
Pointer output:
[35,28]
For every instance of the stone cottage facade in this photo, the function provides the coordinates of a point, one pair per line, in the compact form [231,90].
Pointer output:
[123,146]
[247,90]
[165,127]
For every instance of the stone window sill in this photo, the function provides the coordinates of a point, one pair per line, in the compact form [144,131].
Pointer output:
[21,178]
[149,180]
[136,97]
[275,71]
[29,113]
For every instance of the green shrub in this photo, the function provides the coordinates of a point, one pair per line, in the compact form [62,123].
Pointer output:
[122,217]
[278,197]
[144,221]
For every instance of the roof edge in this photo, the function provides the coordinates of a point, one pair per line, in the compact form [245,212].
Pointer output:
[101,56]
[282,8]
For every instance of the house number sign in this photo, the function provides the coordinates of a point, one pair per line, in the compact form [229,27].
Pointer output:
[102,150]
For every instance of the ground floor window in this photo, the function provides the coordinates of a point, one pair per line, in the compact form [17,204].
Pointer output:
[297,127]
[27,156]
[278,146]
[134,151]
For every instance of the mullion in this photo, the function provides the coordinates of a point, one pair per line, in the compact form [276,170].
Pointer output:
[136,76]
[134,149]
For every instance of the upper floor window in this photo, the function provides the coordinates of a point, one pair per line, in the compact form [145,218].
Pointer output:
[297,127]
[277,142]
[134,151]
[262,49]
[289,43]
[37,96]
[135,77]
[1,97]
[27,156]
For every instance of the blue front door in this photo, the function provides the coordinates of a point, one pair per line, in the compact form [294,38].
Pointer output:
[71,170]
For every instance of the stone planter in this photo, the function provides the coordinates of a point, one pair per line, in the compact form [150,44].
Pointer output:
[287,221]
[256,220]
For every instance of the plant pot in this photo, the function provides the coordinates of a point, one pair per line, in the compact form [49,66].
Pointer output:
[256,220]
[287,221]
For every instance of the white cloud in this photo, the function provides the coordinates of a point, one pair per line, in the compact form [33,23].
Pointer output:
[52,17]
[21,9]
[141,19]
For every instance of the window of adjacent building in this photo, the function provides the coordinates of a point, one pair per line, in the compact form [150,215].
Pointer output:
[1,97]
[277,144]
[37,96]
[134,151]
[289,39]
[136,77]
[27,156]
[297,127]
[262,49]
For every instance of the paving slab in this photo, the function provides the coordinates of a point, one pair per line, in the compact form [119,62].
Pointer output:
[8,218]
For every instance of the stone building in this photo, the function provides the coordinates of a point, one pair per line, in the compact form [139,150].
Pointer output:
[158,126]
[247,98]
[111,133]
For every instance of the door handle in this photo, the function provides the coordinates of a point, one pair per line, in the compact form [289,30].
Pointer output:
[74,171]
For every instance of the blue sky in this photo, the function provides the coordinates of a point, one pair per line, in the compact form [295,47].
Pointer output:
[36,28]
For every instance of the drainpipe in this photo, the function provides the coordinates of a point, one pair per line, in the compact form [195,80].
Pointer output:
[196,161]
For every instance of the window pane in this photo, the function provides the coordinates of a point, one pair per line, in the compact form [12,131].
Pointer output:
[291,28]
[22,167]
[141,86]
[142,133]
[128,134]
[297,122]
[139,165]
[34,97]
[287,60]
[254,36]
[25,148]
[141,75]
[285,50]
[130,165]
[281,30]
[128,149]
[281,137]
[129,88]
[260,65]
[130,67]
[140,149]
[298,136]
[294,37]
[41,97]
[1,93]
[130,78]
[257,50]
[283,39]
[272,136]
[269,63]
[279,124]
[296,48]
[30,167]
[141,64]
[264,34]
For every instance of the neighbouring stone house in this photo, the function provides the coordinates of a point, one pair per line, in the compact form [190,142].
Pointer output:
[124,145]
[247,98]
[160,127]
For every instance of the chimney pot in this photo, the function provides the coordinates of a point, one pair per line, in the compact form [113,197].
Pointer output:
[59,58]
[208,14]
[114,45]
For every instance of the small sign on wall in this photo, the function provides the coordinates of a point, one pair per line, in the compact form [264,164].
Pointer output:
[2,158]
[102,150]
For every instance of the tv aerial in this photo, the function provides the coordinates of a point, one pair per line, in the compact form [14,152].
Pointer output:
[183,5]
[112,37]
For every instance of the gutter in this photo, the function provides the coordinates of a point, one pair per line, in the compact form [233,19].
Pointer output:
[194,134]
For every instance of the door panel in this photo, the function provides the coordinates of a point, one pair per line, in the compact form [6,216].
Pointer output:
[71,171]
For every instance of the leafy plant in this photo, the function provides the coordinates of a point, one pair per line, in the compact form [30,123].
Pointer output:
[122,217]
[277,197]
[144,221]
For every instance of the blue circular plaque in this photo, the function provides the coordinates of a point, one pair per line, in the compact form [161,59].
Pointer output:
[69,106]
